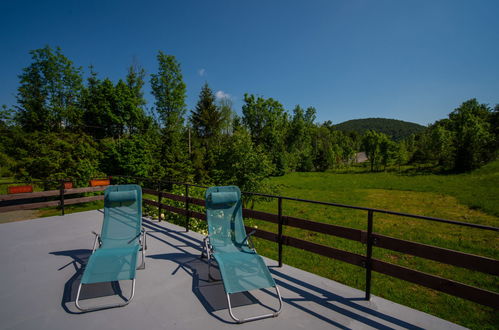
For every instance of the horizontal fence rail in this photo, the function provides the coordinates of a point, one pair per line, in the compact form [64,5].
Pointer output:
[30,201]
[446,256]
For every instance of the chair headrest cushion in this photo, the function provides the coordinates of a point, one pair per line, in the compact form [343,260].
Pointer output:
[122,196]
[223,197]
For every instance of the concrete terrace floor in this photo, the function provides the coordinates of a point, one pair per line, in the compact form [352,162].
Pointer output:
[41,264]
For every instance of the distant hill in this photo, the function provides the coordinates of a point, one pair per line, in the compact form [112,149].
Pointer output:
[397,129]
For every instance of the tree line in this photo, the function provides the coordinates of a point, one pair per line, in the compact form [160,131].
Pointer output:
[66,126]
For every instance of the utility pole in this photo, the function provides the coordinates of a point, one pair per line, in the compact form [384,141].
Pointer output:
[189,140]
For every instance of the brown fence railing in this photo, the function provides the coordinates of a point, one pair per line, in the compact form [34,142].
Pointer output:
[369,238]
[29,200]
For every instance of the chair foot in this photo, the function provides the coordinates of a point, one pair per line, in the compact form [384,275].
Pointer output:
[258,317]
[85,309]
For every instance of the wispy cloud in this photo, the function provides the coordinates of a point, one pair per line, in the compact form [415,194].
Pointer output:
[202,72]
[222,95]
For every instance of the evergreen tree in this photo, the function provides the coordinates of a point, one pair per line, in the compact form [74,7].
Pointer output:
[207,123]
[207,118]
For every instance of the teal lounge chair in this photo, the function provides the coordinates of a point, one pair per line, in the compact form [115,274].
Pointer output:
[241,268]
[114,256]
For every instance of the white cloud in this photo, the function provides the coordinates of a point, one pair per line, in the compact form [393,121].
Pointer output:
[202,72]
[222,95]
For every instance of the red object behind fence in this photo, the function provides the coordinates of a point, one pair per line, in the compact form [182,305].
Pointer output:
[100,182]
[68,185]
[20,189]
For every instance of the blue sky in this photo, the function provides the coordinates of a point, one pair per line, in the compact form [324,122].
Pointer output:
[409,60]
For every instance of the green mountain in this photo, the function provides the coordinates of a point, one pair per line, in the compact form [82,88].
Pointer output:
[397,129]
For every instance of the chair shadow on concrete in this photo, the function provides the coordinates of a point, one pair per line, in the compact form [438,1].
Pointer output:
[96,290]
[212,294]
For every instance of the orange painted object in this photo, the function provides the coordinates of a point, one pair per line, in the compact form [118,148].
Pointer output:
[100,182]
[20,189]
[68,185]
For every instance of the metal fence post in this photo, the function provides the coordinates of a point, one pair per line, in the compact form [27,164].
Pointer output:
[186,208]
[279,233]
[61,193]
[160,194]
[369,253]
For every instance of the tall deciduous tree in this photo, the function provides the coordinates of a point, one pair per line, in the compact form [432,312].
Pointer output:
[299,139]
[374,144]
[267,122]
[474,139]
[243,164]
[228,115]
[49,91]
[169,91]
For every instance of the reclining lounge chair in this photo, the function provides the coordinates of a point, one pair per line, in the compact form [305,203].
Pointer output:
[114,255]
[241,268]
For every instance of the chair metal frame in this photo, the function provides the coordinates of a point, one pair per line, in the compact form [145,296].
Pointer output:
[97,244]
[208,250]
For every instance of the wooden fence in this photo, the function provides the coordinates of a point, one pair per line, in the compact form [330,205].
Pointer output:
[370,239]
[26,200]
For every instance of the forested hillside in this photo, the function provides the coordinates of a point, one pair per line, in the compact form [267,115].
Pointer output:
[396,129]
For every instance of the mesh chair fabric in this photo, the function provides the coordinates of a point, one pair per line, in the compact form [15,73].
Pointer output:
[241,268]
[116,259]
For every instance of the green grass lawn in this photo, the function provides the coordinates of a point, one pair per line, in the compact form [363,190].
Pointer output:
[472,197]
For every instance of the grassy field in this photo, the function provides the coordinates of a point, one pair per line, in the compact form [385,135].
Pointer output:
[470,197]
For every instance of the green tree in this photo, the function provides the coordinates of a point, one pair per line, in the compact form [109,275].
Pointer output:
[267,122]
[6,117]
[323,153]
[473,135]
[388,152]
[494,123]
[442,144]
[207,118]
[169,91]
[49,91]
[242,163]
[299,139]
[7,164]
[133,155]
[227,114]
[402,155]
[206,122]
[373,142]
[56,156]
[102,114]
